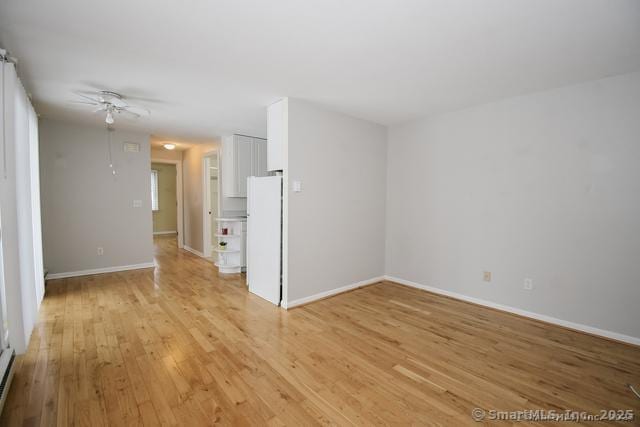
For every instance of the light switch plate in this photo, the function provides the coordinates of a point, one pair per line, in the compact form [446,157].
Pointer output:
[297,186]
[137,203]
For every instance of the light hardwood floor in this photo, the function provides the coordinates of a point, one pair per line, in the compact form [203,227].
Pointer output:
[183,345]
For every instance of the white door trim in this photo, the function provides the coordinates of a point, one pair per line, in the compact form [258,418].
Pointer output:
[179,196]
[206,201]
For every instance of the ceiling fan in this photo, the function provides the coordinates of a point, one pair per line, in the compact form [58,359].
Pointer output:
[111,103]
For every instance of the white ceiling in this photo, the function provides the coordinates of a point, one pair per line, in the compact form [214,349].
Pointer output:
[213,66]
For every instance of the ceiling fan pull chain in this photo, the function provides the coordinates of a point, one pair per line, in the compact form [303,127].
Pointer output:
[109,131]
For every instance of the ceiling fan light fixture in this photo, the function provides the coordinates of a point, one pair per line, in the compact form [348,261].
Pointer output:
[111,103]
[170,146]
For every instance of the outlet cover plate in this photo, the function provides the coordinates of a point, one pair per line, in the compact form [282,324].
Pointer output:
[528,284]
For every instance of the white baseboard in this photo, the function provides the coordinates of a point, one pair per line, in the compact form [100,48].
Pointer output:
[193,251]
[158,233]
[542,317]
[100,270]
[331,292]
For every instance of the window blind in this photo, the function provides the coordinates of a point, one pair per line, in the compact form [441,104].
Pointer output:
[154,190]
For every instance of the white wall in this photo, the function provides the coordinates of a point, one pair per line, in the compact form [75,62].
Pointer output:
[336,224]
[544,186]
[85,207]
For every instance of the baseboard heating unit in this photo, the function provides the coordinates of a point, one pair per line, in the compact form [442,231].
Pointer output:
[7,359]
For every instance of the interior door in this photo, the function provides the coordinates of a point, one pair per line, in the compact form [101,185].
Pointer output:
[213,203]
[264,236]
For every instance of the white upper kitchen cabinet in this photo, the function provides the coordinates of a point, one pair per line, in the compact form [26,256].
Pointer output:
[277,134]
[242,157]
[244,163]
[259,157]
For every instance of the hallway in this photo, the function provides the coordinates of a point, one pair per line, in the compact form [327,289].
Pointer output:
[180,345]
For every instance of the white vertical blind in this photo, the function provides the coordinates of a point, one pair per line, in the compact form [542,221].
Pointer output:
[36,218]
[154,190]
[4,322]
[20,211]
[28,207]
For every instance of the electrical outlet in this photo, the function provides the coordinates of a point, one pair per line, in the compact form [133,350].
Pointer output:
[100,250]
[528,284]
[486,276]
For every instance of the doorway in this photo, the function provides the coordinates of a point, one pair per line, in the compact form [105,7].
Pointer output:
[166,199]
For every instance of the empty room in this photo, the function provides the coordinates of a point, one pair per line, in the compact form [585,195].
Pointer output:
[294,213]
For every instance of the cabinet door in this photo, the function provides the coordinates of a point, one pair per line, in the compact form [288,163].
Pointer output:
[260,157]
[244,163]
[276,135]
[228,167]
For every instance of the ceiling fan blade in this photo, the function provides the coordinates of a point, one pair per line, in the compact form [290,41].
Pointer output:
[137,110]
[130,113]
[115,101]
[96,100]
[85,103]
[128,90]
[146,100]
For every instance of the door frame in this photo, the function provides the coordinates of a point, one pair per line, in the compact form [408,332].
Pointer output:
[179,197]
[207,241]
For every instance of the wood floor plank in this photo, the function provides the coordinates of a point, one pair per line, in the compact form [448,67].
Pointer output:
[183,345]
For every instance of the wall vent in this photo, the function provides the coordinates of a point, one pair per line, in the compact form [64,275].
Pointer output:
[131,147]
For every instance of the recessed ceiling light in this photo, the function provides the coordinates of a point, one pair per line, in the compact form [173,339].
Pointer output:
[170,146]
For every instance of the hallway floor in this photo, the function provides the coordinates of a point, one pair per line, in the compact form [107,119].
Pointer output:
[182,345]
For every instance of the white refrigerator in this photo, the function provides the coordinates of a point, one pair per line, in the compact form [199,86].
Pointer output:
[264,237]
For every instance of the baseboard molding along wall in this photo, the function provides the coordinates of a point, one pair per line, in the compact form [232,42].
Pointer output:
[100,270]
[193,251]
[513,310]
[330,293]
[541,317]
[157,233]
